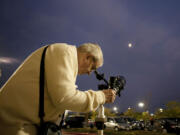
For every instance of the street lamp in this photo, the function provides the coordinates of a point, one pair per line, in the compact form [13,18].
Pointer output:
[160,110]
[141,104]
[115,109]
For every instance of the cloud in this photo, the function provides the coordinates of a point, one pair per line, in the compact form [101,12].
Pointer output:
[8,60]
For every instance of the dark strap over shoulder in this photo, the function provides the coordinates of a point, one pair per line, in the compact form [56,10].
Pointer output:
[41,88]
[41,93]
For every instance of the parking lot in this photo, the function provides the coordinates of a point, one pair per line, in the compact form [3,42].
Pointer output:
[88,131]
[127,125]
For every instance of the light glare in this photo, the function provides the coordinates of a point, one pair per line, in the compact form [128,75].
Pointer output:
[141,104]
[130,45]
[115,108]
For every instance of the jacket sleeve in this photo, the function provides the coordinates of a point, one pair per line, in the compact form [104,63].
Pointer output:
[59,71]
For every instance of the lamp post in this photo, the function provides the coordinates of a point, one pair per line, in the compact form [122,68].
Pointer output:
[160,110]
[141,104]
[115,109]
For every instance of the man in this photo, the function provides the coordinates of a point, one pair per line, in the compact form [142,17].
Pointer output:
[19,97]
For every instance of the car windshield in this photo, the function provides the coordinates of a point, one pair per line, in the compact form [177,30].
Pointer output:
[75,118]
[130,119]
[80,118]
[170,120]
[120,120]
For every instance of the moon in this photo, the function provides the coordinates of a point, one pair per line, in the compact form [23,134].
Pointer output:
[130,45]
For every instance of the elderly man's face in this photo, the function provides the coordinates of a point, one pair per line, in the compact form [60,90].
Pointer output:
[87,65]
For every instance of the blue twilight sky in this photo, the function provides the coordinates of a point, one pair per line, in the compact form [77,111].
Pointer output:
[151,66]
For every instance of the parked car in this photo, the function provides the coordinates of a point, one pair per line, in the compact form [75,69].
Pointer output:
[74,122]
[91,123]
[171,125]
[111,124]
[124,123]
[138,125]
[148,126]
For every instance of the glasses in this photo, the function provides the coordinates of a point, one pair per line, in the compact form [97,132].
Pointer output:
[94,64]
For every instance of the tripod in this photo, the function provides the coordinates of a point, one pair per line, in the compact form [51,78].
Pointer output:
[100,120]
[116,83]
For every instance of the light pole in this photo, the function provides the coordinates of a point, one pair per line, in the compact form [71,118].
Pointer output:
[160,110]
[115,109]
[141,104]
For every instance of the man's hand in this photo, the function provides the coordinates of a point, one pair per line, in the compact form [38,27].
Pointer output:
[110,95]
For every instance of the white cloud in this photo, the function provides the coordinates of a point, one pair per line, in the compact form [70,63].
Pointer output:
[8,60]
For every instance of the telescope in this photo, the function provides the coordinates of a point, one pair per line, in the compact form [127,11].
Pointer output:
[116,83]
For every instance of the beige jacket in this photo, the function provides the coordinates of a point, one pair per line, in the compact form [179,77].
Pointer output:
[19,97]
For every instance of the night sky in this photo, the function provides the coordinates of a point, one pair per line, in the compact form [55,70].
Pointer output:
[151,65]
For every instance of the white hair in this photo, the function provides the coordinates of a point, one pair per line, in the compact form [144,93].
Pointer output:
[94,50]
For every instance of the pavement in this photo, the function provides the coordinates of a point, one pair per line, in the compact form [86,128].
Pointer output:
[76,133]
